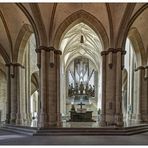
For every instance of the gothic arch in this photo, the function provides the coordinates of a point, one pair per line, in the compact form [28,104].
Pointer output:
[85,17]
[135,16]
[137,43]
[29,17]
[21,41]
[39,23]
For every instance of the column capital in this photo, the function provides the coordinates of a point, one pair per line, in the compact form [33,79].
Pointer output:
[58,52]
[42,48]
[113,50]
[146,67]
[15,64]
[140,68]
[48,49]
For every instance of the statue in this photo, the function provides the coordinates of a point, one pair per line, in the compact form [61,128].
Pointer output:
[86,89]
[81,88]
[73,108]
[93,91]
[70,90]
[90,90]
[76,88]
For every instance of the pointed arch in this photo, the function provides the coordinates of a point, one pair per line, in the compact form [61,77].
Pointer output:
[87,18]
[21,41]
[40,25]
[138,46]
[29,17]
[135,16]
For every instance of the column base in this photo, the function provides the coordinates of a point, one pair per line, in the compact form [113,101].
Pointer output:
[138,118]
[59,120]
[29,117]
[110,120]
[52,124]
[102,120]
[8,118]
[43,120]
[144,117]
[133,116]
[13,118]
[19,119]
[119,120]
[13,121]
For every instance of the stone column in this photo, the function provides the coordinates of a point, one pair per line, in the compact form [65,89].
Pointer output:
[110,86]
[49,89]
[103,105]
[19,115]
[143,101]
[54,88]
[112,65]
[15,93]
[119,115]
[29,116]
[42,63]
[39,90]
[58,53]
[138,103]
[8,107]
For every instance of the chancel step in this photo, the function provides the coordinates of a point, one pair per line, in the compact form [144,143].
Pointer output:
[32,131]
[93,131]
[25,130]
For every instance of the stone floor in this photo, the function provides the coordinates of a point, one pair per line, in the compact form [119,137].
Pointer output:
[7,138]
[86,124]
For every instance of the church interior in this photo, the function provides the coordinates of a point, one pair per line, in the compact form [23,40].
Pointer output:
[74,68]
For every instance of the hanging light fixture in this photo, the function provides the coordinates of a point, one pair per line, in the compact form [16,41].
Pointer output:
[82,39]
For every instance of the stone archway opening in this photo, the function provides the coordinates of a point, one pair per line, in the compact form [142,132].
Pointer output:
[130,82]
[80,79]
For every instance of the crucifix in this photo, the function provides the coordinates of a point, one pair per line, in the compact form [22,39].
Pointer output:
[81,104]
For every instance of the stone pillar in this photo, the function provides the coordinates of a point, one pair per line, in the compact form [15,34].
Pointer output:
[49,69]
[103,105]
[119,67]
[8,107]
[54,88]
[27,86]
[14,90]
[19,115]
[110,86]
[13,94]
[42,64]
[112,65]
[143,100]
[58,53]
[138,103]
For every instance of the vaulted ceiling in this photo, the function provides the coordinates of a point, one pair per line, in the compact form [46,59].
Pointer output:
[45,19]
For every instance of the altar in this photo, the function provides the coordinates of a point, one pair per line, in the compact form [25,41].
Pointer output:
[81,115]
